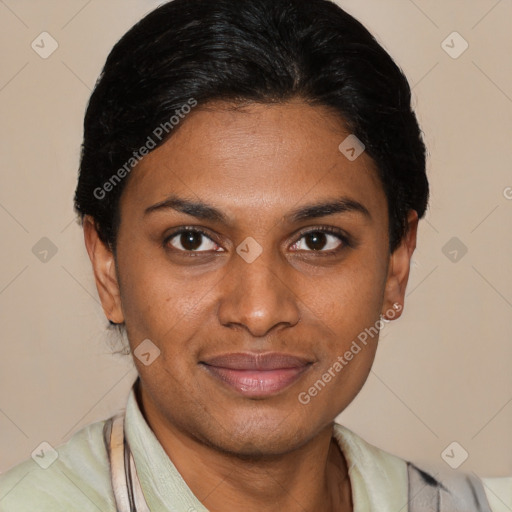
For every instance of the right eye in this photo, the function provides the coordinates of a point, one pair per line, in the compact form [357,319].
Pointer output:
[191,240]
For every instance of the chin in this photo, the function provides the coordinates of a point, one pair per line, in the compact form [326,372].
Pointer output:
[259,436]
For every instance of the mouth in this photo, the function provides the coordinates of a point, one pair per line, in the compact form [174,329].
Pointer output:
[257,375]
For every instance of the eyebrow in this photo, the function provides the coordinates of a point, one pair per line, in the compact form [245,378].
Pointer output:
[325,208]
[193,208]
[203,211]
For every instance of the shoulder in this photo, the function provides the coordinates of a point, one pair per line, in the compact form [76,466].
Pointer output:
[422,486]
[72,477]
[452,491]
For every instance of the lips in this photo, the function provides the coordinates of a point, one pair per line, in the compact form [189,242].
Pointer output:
[257,374]
[257,361]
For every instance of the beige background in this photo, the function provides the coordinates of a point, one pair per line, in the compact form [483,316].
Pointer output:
[442,372]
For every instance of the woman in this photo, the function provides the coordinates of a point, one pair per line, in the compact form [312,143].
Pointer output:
[251,181]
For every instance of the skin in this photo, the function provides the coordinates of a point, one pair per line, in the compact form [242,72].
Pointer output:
[256,165]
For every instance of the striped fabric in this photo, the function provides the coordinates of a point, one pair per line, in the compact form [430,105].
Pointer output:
[125,482]
[456,492]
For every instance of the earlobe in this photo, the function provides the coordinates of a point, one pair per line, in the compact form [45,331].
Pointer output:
[104,268]
[398,271]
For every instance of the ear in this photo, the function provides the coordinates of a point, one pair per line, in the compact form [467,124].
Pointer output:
[103,264]
[398,270]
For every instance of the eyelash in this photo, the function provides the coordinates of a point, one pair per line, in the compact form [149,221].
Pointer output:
[347,241]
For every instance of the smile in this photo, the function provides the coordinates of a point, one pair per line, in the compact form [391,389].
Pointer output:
[257,375]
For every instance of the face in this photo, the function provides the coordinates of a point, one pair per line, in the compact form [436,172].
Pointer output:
[224,248]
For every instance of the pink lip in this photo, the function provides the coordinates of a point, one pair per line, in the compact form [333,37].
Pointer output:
[257,375]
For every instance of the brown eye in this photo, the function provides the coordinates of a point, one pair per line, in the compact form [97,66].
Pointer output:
[318,241]
[191,240]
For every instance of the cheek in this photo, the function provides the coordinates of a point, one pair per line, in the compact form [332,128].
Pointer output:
[171,310]
[156,297]
[336,385]
[351,298]
[347,356]
[349,305]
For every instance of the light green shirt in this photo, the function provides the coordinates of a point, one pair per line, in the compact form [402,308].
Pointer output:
[79,479]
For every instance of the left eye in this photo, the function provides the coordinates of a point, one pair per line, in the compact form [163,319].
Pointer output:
[318,241]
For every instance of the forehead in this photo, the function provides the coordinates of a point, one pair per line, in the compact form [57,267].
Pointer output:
[253,156]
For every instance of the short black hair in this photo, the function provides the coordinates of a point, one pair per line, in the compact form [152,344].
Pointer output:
[241,51]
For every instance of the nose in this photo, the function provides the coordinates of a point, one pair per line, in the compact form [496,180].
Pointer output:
[258,296]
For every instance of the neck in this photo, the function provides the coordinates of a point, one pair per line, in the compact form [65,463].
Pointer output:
[313,477]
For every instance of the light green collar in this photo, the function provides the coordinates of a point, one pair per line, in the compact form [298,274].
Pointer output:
[378,479]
